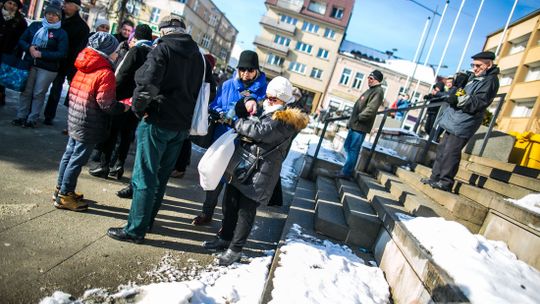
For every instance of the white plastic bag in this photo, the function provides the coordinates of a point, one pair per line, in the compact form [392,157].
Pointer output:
[214,162]
[199,122]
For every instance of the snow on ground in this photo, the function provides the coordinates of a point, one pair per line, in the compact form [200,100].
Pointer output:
[530,202]
[238,283]
[315,271]
[485,270]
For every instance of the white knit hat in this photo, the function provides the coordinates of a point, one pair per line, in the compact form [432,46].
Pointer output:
[281,88]
[100,22]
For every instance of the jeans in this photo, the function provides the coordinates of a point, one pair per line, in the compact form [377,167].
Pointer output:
[33,96]
[238,217]
[75,157]
[352,146]
[157,150]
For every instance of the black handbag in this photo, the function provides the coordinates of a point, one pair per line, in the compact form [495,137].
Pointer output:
[244,164]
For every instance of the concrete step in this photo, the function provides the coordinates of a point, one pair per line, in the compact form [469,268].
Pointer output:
[511,168]
[461,207]
[526,182]
[417,203]
[364,225]
[408,266]
[329,218]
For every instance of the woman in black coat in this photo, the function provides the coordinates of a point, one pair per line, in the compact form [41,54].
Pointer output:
[12,26]
[268,135]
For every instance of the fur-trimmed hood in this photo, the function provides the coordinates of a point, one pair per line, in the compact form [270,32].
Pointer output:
[292,116]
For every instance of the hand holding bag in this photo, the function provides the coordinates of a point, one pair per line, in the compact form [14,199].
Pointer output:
[14,72]
[199,122]
[213,163]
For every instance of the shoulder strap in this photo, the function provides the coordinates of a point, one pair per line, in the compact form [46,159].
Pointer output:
[273,149]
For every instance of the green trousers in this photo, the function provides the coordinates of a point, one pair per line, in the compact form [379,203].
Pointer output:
[157,151]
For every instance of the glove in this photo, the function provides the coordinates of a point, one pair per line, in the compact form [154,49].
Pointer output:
[452,101]
[460,80]
[214,115]
[240,108]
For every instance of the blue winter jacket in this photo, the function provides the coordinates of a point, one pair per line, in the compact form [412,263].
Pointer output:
[56,50]
[233,90]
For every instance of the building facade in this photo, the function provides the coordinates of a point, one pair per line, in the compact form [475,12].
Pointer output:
[519,62]
[300,40]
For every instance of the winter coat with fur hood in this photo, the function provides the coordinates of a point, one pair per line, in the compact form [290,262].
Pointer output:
[92,98]
[267,132]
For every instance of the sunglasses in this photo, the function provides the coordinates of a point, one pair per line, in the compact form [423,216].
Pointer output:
[371,78]
[473,65]
[249,70]
[272,98]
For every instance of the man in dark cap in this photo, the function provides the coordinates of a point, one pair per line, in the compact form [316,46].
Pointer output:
[361,122]
[168,85]
[78,32]
[463,117]
[248,85]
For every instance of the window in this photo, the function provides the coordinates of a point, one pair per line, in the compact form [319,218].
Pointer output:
[196,5]
[282,40]
[274,60]
[329,33]
[344,80]
[297,67]
[205,41]
[288,19]
[337,12]
[358,79]
[322,53]
[523,107]
[304,47]
[213,20]
[223,53]
[310,27]
[507,77]
[316,73]
[154,16]
[533,73]
[189,29]
[133,8]
[182,1]
[317,7]
[518,45]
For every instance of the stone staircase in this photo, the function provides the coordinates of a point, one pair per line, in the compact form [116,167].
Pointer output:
[364,214]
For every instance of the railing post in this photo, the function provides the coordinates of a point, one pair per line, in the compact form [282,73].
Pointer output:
[374,145]
[321,138]
[420,118]
[492,124]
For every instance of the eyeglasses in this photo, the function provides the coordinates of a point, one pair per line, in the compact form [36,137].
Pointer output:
[249,70]
[475,65]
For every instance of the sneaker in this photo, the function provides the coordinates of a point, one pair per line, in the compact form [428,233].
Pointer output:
[217,244]
[48,122]
[69,202]
[229,257]
[441,186]
[19,122]
[30,124]
[202,220]
[78,196]
[426,181]
[177,174]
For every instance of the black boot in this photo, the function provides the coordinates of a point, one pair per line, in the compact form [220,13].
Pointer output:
[117,171]
[127,192]
[100,171]
[216,244]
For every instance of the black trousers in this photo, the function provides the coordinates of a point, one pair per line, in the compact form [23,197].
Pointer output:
[184,158]
[447,159]
[211,200]
[56,92]
[123,129]
[238,217]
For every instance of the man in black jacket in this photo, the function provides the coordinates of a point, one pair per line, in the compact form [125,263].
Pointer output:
[168,84]
[463,117]
[78,32]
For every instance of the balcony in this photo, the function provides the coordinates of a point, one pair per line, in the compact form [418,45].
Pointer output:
[292,5]
[273,69]
[280,26]
[259,41]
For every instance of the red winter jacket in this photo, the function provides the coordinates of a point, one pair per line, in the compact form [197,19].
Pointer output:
[92,98]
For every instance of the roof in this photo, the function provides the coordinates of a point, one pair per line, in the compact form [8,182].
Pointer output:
[406,67]
[361,51]
[522,19]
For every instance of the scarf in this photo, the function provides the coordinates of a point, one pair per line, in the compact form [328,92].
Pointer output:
[7,15]
[42,35]
[270,109]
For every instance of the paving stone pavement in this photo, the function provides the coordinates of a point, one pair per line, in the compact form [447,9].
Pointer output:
[43,249]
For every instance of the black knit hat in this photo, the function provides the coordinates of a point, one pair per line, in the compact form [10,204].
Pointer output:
[54,7]
[143,32]
[248,60]
[18,2]
[484,55]
[78,2]
[377,75]
[171,21]
[439,85]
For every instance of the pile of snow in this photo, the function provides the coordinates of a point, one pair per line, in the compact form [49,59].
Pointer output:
[485,271]
[530,202]
[238,283]
[315,271]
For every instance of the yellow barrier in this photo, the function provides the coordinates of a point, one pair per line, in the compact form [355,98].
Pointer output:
[526,151]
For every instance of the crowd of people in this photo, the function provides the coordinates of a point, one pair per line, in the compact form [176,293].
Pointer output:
[136,87]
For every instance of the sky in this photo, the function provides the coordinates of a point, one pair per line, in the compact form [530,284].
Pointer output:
[389,24]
